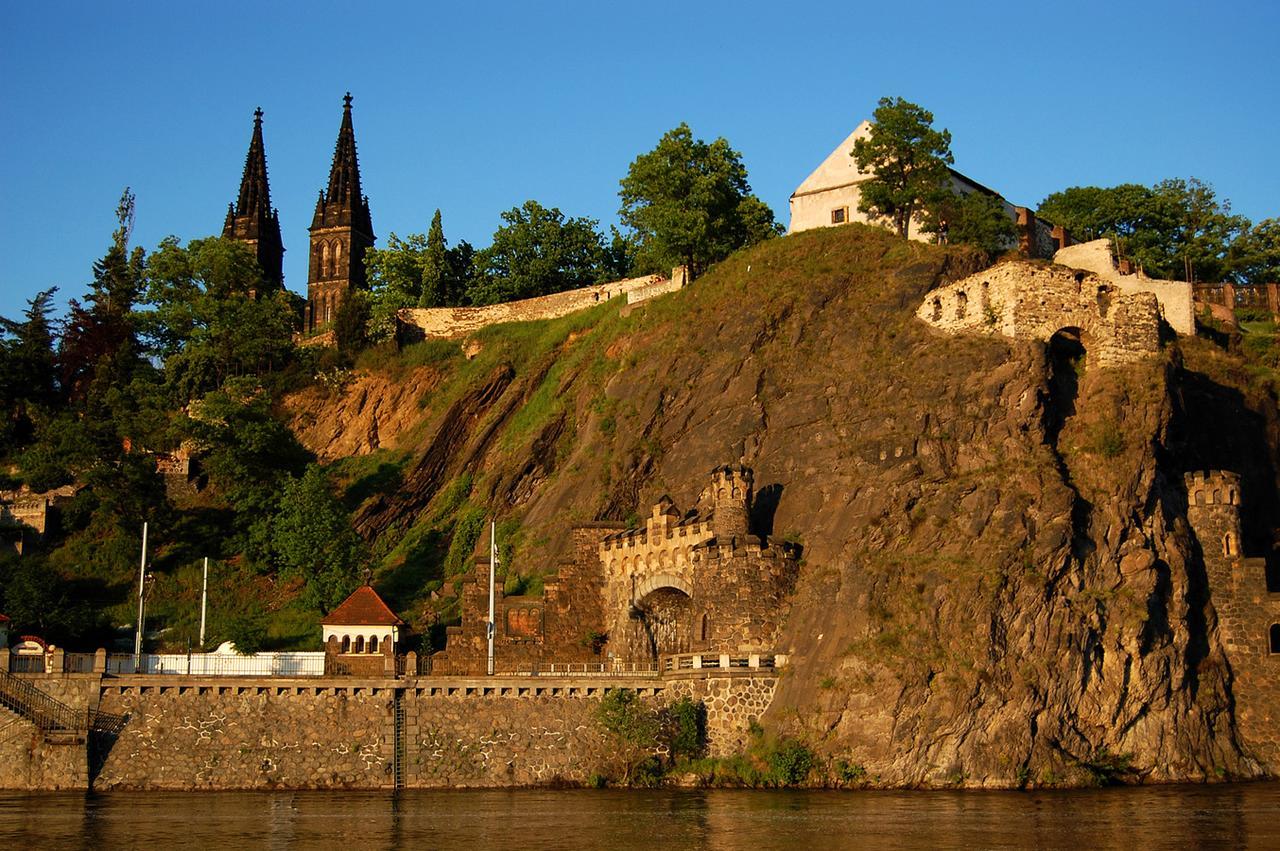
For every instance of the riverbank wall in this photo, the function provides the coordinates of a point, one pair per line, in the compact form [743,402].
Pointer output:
[187,733]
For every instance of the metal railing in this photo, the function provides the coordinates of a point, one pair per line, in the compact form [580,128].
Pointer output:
[78,663]
[220,664]
[703,661]
[26,664]
[50,714]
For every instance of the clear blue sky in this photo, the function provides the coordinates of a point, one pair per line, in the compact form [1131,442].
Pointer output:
[476,107]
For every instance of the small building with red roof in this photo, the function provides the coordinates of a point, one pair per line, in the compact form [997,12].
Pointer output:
[4,631]
[362,624]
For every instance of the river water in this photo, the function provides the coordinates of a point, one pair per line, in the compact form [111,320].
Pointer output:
[1237,816]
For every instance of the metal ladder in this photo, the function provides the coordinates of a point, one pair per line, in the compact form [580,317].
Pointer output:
[397,753]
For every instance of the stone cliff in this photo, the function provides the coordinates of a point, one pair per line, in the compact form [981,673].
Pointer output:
[999,585]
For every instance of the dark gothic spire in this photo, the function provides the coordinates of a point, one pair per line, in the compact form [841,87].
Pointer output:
[343,203]
[251,218]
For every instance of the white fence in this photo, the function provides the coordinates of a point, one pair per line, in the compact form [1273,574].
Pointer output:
[221,664]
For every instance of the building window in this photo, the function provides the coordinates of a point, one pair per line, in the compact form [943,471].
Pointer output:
[1275,638]
[359,643]
[346,644]
[373,644]
[839,215]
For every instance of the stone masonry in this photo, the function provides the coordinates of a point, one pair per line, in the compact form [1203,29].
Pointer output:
[1023,300]
[326,733]
[1248,614]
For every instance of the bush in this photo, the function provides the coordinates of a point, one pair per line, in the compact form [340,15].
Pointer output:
[789,763]
[685,728]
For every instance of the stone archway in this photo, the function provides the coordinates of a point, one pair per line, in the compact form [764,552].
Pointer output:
[1066,354]
[664,621]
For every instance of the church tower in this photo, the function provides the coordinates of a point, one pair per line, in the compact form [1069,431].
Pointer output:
[341,232]
[251,219]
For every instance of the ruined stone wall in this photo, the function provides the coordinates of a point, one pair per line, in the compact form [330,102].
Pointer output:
[679,279]
[453,322]
[1177,305]
[1022,300]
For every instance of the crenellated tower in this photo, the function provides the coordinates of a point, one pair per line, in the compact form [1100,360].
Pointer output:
[1213,510]
[251,219]
[731,502]
[341,231]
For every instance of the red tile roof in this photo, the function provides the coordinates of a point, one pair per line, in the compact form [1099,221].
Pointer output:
[4,619]
[363,608]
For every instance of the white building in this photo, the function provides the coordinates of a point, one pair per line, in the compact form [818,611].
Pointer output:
[829,196]
[362,624]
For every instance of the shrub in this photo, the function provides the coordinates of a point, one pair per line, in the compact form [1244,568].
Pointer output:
[685,728]
[789,763]
[848,772]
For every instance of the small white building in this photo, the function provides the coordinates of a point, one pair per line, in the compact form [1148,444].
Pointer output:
[362,624]
[829,196]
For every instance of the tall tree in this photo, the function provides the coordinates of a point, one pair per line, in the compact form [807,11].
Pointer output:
[435,266]
[975,218]
[313,539]
[27,376]
[910,161]
[1205,228]
[537,251]
[688,203]
[1254,256]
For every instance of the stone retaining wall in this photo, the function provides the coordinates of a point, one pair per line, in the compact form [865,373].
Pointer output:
[341,732]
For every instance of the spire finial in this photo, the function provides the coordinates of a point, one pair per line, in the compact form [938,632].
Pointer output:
[257,116]
[346,101]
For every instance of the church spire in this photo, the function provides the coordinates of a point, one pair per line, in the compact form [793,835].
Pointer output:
[343,201]
[341,231]
[251,219]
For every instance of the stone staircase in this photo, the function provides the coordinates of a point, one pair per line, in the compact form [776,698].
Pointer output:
[56,720]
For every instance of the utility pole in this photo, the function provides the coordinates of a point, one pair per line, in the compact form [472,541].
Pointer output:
[493,563]
[142,583]
[204,600]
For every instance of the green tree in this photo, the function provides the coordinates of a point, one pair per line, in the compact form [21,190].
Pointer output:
[312,538]
[975,218]
[910,161]
[395,281]
[1254,256]
[688,203]
[1176,229]
[435,266]
[632,726]
[1205,229]
[27,375]
[537,251]
[203,323]
[351,324]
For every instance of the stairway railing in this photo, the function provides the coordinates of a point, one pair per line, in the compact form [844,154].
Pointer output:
[50,714]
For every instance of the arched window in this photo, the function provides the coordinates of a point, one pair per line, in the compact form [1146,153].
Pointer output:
[359,644]
[1230,547]
[704,629]
[1217,497]
[346,644]
[962,304]
[1199,497]
[337,257]
[324,260]
[373,644]
[1275,638]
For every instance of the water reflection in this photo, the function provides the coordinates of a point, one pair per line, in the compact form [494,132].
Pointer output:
[1167,817]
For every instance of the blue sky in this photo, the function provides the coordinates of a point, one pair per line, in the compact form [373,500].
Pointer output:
[476,107]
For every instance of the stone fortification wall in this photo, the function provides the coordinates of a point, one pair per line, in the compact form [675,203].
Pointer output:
[205,733]
[1176,302]
[455,322]
[1022,300]
[187,733]
[1247,612]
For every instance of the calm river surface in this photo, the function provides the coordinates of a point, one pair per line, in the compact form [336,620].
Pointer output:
[1243,816]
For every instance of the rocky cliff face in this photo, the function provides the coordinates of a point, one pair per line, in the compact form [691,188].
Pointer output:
[999,587]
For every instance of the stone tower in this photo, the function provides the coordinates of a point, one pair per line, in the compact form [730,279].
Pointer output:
[1213,510]
[341,231]
[251,218]
[731,503]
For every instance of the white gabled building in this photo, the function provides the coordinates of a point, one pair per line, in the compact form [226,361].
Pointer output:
[829,196]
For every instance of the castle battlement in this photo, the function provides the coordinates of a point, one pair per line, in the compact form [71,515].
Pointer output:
[1212,487]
